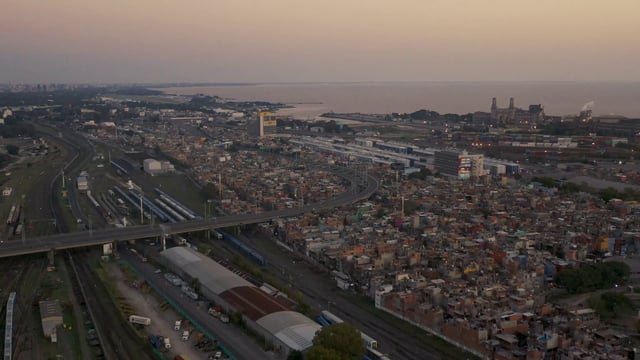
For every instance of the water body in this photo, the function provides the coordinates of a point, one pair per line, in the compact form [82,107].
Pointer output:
[312,99]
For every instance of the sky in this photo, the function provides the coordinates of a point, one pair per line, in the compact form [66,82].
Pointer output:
[151,41]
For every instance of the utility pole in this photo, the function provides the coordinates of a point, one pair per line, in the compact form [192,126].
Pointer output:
[24,231]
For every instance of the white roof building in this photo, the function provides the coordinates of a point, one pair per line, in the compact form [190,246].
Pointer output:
[286,329]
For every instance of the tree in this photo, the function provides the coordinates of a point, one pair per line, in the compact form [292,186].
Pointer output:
[323,353]
[593,277]
[337,342]
[611,305]
[12,149]
[295,355]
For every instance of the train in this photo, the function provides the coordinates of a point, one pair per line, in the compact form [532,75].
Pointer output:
[373,354]
[185,211]
[254,255]
[327,318]
[169,210]
[14,215]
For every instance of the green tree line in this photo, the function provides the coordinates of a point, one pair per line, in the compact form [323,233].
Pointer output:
[593,277]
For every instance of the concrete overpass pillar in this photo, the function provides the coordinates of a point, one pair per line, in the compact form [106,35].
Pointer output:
[51,256]
[108,249]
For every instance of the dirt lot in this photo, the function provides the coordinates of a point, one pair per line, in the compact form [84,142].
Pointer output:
[144,303]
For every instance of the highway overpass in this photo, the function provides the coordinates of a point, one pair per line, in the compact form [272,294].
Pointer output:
[108,235]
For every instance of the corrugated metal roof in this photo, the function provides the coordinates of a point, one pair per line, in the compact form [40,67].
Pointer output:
[292,328]
[211,275]
[253,302]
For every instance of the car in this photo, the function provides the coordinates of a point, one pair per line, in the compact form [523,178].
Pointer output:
[157,271]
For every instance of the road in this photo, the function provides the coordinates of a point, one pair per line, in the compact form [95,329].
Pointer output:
[103,236]
[229,336]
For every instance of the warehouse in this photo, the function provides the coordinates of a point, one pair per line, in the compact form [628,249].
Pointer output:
[268,315]
[51,318]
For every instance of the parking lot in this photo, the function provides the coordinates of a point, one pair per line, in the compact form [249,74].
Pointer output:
[138,299]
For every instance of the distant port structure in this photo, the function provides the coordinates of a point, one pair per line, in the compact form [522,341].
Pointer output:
[513,115]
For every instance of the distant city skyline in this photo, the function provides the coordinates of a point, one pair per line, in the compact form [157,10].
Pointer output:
[150,41]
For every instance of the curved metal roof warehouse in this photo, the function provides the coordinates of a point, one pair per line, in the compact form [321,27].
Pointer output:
[263,312]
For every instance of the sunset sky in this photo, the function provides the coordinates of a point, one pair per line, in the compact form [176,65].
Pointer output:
[318,40]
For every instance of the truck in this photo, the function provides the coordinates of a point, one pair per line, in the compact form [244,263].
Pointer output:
[185,335]
[156,341]
[215,311]
[167,343]
[177,325]
[142,320]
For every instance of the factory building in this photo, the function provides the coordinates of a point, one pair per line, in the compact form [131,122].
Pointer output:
[51,318]
[154,167]
[268,315]
[513,115]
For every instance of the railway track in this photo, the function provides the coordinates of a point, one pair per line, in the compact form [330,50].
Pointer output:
[27,287]
[118,340]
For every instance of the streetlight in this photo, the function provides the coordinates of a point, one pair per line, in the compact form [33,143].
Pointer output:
[207,206]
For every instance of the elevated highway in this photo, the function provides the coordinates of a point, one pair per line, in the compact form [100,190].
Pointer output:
[367,186]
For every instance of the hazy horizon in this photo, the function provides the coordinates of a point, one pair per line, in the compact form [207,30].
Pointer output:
[287,41]
[312,99]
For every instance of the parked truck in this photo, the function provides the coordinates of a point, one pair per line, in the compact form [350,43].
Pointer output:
[177,325]
[156,341]
[185,335]
[215,311]
[142,320]
[167,343]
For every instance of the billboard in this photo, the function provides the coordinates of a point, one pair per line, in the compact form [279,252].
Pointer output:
[464,167]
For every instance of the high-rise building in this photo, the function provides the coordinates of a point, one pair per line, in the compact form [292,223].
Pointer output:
[264,123]
[459,164]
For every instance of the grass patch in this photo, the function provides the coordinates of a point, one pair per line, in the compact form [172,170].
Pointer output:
[68,218]
[106,281]
[181,188]
[70,332]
